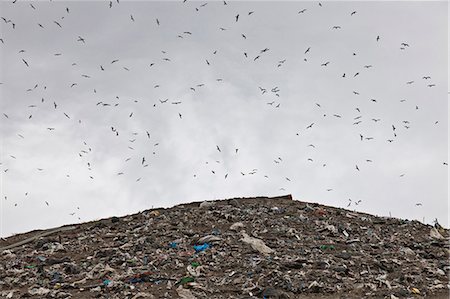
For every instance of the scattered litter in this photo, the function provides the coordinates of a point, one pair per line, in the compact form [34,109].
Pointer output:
[244,248]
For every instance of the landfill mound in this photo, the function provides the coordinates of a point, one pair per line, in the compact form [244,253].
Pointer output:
[237,248]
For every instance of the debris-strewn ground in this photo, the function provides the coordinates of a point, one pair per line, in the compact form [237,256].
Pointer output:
[238,248]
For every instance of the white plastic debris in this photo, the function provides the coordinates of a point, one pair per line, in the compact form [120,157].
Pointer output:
[38,291]
[407,251]
[185,293]
[434,233]
[194,271]
[256,244]
[236,226]
[142,295]
[208,239]
[206,204]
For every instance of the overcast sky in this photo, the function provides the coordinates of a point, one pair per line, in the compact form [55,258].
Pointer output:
[112,110]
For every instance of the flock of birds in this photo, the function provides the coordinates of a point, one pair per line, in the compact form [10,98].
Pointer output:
[271,96]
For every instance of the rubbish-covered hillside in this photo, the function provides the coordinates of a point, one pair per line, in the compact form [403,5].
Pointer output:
[237,248]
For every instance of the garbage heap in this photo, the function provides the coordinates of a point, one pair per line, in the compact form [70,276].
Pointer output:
[237,248]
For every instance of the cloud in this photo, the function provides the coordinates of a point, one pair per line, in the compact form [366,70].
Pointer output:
[91,147]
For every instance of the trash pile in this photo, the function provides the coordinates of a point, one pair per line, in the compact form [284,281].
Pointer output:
[238,248]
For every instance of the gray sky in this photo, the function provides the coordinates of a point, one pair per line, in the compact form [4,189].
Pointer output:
[58,169]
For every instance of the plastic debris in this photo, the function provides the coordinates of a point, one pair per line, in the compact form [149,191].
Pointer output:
[256,244]
[434,233]
[199,248]
[39,291]
[206,204]
[415,291]
[185,293]
[208,239]
[327,247]
[236,226]
[185,280]
[106,282]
